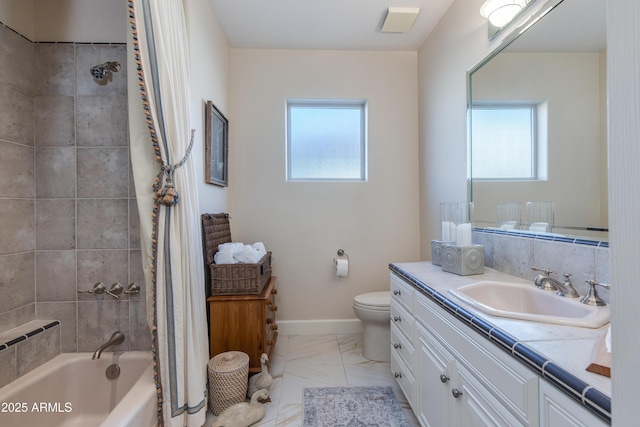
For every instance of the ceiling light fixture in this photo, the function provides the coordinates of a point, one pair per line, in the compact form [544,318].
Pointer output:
[501,12]
[400,19]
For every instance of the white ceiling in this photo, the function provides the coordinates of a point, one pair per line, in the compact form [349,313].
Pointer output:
[323,24]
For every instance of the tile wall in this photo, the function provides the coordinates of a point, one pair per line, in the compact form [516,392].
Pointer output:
[516,253]
[67,205]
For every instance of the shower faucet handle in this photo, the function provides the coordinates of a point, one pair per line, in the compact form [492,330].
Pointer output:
[116,290]
[98,288]
[133,288]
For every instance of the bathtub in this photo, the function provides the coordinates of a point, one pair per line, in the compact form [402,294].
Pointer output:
[73,390]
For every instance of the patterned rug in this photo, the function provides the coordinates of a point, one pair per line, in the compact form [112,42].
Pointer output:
[352,407]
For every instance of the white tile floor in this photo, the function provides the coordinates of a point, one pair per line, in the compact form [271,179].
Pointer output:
[301,361]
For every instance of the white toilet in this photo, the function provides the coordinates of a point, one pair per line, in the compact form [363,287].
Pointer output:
[375,313]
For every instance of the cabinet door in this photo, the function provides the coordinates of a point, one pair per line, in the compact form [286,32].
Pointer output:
[559,410]
[475,406]
[435,368]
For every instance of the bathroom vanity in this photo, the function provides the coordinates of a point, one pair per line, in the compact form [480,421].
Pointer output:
[244,323]
[460,367]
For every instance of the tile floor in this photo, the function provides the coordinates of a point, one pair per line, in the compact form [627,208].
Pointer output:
[301,361]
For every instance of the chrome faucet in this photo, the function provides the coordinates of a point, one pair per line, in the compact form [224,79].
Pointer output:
[544,281]
[592,297]
[116,338]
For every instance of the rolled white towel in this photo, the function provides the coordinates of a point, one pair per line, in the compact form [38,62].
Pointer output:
[232,246]
[224,256]
[247,255]
[260,248]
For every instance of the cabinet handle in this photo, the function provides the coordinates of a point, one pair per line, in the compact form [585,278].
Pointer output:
[444,378]
[274,308]
[397,346]
[397,292]
[397,374]
[274,327]
[456,393]
[274,291]
[269,320]
[397,319]
[269,302]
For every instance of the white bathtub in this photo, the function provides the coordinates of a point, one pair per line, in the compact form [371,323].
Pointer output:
[72,390]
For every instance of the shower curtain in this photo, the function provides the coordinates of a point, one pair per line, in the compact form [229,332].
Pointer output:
[165,182]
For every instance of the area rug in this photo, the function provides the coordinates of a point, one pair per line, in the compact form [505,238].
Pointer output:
[352,407]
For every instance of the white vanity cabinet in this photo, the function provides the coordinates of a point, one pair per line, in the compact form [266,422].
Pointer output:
[559,410]
[402,337]
[459,380]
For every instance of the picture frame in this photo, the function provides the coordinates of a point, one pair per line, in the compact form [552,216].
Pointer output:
[216,146]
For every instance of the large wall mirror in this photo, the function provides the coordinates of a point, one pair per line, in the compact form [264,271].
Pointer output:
[547,90]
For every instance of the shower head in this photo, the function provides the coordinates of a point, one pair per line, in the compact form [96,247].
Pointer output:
[103,72]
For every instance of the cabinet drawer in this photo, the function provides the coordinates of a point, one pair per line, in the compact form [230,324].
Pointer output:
[402,320]
[405,378]
[402,347]
[401,292]
[510,382]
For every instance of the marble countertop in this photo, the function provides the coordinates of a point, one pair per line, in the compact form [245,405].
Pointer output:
[569,347]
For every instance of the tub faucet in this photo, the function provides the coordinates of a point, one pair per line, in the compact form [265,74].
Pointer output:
[116,338]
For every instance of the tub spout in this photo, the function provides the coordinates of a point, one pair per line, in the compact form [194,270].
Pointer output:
[116,338]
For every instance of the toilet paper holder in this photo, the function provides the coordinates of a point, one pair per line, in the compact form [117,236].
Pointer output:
[341,253]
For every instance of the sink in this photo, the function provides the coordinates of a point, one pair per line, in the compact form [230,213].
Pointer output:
[526,302]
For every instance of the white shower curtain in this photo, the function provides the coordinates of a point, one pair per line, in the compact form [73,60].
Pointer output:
[165,182]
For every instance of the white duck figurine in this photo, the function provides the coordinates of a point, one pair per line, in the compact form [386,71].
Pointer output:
[261,380]
[243,414]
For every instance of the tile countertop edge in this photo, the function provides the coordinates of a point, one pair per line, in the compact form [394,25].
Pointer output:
[581,391]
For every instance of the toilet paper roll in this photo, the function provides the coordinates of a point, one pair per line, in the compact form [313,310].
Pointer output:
[342,267]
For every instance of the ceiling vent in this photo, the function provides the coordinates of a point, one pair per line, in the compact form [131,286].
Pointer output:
[400,19]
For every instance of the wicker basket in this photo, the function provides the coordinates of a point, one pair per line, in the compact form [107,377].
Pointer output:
[228,376]
[230,279]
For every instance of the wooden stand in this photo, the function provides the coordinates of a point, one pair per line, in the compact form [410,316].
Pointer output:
[244,323]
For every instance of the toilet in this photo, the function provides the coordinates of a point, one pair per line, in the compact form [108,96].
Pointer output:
[375,313]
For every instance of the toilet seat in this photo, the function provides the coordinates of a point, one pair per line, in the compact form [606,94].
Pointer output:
[377,301]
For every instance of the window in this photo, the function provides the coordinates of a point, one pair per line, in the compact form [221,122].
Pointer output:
[326,141]
[504,142]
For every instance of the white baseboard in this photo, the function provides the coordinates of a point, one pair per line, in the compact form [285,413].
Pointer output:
[317,327]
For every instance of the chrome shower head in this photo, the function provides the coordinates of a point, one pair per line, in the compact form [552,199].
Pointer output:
[103,72]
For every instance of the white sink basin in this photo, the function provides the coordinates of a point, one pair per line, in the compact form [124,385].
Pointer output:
[526,302]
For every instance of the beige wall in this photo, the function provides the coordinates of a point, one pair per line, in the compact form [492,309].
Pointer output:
[457,43]
[209,53]
[304,224]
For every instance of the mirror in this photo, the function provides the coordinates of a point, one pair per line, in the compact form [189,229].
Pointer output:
[558,67]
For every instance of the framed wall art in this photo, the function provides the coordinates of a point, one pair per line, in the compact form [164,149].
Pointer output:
[216,146]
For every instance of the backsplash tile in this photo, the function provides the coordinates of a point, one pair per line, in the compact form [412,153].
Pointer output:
[516,253]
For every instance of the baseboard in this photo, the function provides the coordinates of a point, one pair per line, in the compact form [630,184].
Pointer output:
[318,327]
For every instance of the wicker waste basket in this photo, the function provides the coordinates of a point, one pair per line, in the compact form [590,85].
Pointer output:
[228,376]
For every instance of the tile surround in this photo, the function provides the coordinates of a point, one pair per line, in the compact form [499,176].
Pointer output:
[67,197]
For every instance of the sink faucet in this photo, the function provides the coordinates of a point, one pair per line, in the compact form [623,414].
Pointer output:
[116,338]
[544,281]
